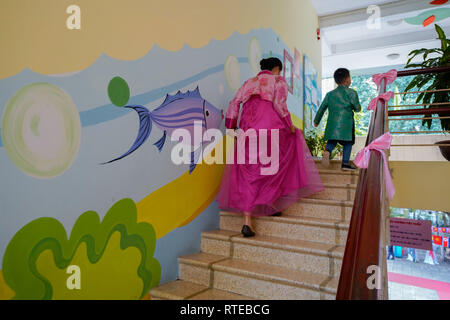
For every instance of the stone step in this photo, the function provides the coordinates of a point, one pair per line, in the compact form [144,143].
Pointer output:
[322,209]
[184,290]
[196,267]
[216,294]
[295,254]
[344,192]
[218,242]
[328,231]
[264,281]
[257,280]
[177,290]
[339,176]
[334,164]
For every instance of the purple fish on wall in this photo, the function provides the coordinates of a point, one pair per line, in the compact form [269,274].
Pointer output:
[178,111]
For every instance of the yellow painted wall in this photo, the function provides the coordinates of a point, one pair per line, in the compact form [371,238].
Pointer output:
[421,185]
[34,33]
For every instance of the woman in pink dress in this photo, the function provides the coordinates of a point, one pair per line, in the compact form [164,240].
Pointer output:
[245,189]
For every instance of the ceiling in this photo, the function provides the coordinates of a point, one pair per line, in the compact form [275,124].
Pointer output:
[327,7]
[348,42]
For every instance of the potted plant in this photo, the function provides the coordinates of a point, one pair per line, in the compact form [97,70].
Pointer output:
[315,140]
[432,58]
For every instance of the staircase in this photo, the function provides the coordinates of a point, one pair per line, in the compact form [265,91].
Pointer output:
[295,256]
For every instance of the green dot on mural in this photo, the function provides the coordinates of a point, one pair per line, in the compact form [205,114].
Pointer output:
[118,91]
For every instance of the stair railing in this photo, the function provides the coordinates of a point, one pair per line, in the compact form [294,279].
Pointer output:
[364,262]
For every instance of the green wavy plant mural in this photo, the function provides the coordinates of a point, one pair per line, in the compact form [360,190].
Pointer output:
[114,257]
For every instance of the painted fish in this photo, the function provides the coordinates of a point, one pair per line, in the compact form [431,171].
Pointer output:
[177,111]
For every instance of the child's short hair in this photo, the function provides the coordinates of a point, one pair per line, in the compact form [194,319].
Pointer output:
[340,75]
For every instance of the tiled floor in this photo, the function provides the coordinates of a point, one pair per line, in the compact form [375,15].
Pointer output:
[440,272]
[398,291]
[418,281]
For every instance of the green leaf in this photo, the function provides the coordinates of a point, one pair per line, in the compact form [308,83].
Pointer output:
[420,97]
[427,122]
[411,85]
[415,65]
[442,37]
[425,79]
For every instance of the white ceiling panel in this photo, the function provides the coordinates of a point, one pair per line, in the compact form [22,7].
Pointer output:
[348,42]
[327,7]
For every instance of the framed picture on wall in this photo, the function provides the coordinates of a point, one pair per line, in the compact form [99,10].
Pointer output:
[288,71]
[312,93]
[298,64]
[307,117]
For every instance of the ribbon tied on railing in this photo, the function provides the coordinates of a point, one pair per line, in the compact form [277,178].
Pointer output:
[390,77]
[379,145]
[385,97]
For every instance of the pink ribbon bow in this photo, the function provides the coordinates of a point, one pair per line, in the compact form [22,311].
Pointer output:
[390,77]
[385,96]
[362,159]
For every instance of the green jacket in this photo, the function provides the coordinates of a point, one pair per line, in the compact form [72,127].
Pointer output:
[341,103]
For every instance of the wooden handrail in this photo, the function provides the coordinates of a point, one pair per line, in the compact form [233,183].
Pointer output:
[417,112]
[415,72]
[366,240]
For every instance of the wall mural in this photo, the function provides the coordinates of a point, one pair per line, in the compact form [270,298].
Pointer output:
[427,17]
[57,132]
[313,95]
[114,257]
[178,111]
[41,130]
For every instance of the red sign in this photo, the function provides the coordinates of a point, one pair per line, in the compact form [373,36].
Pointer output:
[437,240]
[411,233]
[445,242]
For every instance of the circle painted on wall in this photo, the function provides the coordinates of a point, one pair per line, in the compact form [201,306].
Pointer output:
[41,130]
[254,55]
[233,73]
[118,91]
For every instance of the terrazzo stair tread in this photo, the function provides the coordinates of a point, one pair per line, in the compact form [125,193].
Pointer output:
[276,274]
[340,185]
[312,221]
[339,172]
[346,203]
[177,290]
[329,176]
[220,234]
[300,246]
[341,192]
[200,259]
[334,164]
[331,231]
[216,294]
[321,208]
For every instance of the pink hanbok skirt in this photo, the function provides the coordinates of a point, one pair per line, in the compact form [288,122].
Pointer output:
[245,189]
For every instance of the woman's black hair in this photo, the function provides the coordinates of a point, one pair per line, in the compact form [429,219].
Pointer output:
[270,63]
